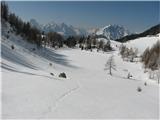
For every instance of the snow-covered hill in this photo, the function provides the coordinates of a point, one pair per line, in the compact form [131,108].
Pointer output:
[113,32]
[30,91]
[143,42]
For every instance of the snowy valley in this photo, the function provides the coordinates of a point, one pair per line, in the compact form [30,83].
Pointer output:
[48,76]
[30,91]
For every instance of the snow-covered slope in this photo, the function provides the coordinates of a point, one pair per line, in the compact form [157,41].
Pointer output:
[113,32]
[30,91]
[143,42]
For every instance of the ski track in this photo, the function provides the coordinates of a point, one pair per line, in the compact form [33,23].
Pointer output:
[54,107]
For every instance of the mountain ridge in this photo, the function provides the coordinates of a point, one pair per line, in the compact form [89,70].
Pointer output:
[154,30]
[110,32]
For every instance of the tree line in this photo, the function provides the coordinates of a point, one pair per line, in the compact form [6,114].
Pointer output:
[51,39]
[25,29]
[152,31]
[151,57]
[128,54]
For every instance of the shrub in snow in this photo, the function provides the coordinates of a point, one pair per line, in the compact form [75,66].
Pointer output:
[33,49]
[63,75]
[50,64]
[7,36]
[12,47]
[139,89]
[52,74]
[145,84]
[82,48]
[129,75]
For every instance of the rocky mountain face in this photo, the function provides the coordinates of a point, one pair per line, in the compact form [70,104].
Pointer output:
[61,28]
[113,32]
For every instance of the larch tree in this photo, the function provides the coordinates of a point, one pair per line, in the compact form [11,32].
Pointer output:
[110,65]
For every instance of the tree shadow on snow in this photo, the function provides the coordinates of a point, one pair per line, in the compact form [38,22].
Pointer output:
[15,57]
[48,54]
[10,68]
[51,55]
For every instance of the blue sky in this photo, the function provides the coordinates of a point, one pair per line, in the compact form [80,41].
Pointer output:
[136,16]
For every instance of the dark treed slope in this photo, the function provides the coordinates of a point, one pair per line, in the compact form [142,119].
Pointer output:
[152,31]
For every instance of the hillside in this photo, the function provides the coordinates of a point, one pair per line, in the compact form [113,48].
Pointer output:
[143,42]
[30,91]
[150,32]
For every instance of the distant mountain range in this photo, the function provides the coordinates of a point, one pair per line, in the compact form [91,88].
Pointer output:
[61,28]
[110,32]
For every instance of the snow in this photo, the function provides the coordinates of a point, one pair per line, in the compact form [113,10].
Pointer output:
[29,91]
[143,42]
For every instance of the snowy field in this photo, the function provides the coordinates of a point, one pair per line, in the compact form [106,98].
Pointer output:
[30,91]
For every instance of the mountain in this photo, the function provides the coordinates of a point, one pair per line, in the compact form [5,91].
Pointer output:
[110,32]
[61,28]
[113,32]
[34,23]
[151,31]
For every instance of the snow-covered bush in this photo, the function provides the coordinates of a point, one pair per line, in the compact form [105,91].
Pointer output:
[63,75]
[129,75]
[52,74]
[139,89]
[12,47]
[50,64]
[145,84]
[33,49]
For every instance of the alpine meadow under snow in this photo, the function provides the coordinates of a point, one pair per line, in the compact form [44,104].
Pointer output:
[84,81]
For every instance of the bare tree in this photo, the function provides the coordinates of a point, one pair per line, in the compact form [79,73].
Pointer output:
[110,65]
[158,75]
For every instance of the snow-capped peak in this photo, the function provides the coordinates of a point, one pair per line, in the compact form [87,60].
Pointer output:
[62,28]
[113,32]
